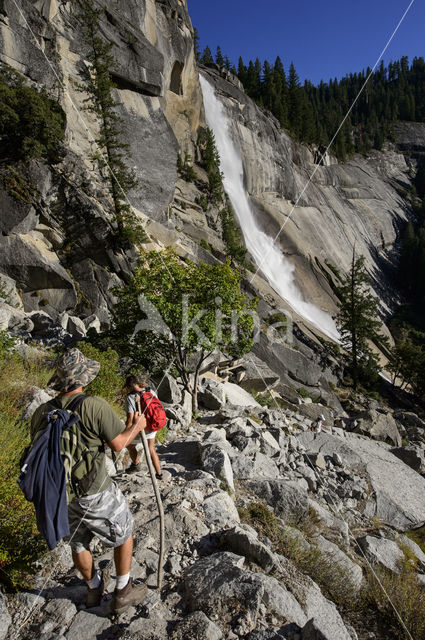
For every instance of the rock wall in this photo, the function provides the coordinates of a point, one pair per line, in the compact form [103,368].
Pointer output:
[57,251]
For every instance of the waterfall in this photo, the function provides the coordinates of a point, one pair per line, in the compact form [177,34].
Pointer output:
[266,253]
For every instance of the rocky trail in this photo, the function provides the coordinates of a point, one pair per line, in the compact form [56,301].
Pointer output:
[332,494]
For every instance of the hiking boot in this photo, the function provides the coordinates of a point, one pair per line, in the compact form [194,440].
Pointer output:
[94,596]
[134,468]
[131,594]
[158,476]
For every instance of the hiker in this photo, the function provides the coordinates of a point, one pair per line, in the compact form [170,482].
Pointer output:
[316,426]
[135,386]
[101,510]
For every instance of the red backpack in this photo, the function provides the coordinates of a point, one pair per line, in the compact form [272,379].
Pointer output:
[153,410]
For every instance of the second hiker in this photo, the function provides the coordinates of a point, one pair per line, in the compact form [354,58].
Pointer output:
[138,391]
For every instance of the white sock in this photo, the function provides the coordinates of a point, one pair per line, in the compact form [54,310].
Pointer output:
[95,581]
[122,581]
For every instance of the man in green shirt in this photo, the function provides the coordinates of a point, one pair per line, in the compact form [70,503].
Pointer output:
[103,510]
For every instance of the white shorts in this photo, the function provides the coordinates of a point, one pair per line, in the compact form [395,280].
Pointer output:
[149,436]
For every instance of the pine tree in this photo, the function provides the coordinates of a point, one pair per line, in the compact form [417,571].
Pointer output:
[196,44]
[207,56]
[219,58]
[357,321]
[242,71]
[98,84]
[294,101]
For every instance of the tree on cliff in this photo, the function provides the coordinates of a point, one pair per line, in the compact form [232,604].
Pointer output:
[207,56]
[112,151]
[175,314]
[358,323]
[219,57]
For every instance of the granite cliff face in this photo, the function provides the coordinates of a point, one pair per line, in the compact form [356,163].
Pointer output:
[56,250]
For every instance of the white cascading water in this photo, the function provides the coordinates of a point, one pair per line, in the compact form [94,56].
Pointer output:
[266,253]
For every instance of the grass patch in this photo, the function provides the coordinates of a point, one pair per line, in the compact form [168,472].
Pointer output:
[368,606]
[418,536]
[20,543]
[334,579]
[406,593]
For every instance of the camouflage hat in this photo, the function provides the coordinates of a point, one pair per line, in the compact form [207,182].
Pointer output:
[73,370]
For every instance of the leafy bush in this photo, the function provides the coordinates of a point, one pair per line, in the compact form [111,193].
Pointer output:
[20,543]
[405,591]
[185,168]
[6,344]
[174,293]
[303,393]
[161,436]
[204,244]
[32,125]
[109,382]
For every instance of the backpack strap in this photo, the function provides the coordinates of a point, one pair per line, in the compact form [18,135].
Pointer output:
[76,402]
[73,405]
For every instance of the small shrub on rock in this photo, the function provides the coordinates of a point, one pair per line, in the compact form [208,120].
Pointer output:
[109,382]
[32,125]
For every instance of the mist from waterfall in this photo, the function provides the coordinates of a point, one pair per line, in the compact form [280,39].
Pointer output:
[267,254]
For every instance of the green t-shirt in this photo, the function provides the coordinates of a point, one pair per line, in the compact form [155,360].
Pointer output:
[99,425]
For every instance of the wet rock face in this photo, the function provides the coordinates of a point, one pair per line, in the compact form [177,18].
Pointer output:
[356,194]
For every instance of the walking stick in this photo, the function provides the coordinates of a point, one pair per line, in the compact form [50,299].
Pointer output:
[158,501]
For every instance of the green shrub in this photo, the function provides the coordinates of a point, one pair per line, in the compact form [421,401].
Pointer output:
[202,200]
[162,434]
[32,125]
[109,382]
[20,543]
[405,591]
[278,319]
[6,344]
[204,244]
[185,168]
[303,393]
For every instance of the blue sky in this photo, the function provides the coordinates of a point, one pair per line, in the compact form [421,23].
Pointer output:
[324,39]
